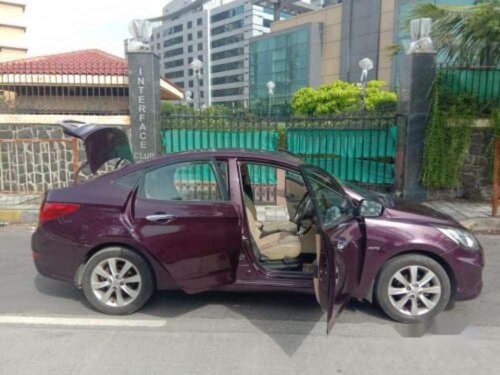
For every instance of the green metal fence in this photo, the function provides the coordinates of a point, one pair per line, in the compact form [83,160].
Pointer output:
[354,148]
[483,83]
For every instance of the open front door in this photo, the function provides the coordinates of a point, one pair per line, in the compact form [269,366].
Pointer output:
[338,230]
[324,278]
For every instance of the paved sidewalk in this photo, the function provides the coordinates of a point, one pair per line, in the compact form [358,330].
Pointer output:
[475,216]
[19,208]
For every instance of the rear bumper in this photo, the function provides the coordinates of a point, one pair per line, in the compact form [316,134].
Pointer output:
[53,257]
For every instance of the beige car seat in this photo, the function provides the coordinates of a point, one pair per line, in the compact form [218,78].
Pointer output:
[275,246]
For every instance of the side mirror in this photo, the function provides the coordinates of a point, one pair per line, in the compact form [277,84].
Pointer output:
[368,208]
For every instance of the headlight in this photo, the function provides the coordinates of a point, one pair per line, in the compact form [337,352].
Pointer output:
[461,237]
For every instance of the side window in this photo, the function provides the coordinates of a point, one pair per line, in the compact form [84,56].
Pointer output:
[193,181]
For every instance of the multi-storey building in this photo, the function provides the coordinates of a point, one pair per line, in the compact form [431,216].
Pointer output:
[325,44]
[217,32]
[12,30]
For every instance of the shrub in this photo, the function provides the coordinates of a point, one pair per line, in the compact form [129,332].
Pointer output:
[340,96]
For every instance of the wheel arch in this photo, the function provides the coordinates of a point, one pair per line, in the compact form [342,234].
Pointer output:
[158,272]
[370,296]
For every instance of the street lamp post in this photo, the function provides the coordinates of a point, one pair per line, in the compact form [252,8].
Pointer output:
[188,97]
[366,65]
[270,92]
[196,65]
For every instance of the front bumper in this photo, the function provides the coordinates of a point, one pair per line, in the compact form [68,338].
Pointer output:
[468,269]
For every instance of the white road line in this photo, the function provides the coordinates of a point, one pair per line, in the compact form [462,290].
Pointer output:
[82,322]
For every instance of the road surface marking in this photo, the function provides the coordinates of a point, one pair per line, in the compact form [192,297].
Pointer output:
[84,322]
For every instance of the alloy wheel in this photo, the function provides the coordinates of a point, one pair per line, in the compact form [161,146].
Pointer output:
[116,282]
[414,290]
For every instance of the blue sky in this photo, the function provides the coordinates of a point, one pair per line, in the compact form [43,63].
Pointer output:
[66,25]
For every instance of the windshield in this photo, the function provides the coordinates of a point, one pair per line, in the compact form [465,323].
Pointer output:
[331,202]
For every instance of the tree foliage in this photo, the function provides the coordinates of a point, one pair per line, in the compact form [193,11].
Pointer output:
[464,34]
[340,96]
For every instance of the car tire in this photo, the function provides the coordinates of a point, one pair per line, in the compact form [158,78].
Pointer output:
[412,288]
[117,281]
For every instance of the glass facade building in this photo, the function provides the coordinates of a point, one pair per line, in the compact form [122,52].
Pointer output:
[286,59]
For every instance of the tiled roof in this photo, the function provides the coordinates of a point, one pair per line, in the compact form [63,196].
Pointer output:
[90,61]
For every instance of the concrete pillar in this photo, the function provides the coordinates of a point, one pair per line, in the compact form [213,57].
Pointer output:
[417,72]
[145,104]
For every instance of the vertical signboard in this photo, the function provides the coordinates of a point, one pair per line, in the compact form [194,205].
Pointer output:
[144,103]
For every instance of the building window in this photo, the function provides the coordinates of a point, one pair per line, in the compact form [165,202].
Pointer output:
[190,60]
[200,34]
[200,46]
[229,66]
[226,54]
[173,30]
[228,92]
[190,49]
[226,41]
[227,27]
[189,24]
[199,21]
[226,14]
[173,52]
[227,79]
[191,83]
[176,74]
[173,41]
[190,36]
[266,22]
[173,64]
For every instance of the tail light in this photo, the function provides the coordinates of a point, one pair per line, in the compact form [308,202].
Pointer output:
[51,211]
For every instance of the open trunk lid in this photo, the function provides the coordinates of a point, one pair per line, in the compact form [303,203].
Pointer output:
[102,143]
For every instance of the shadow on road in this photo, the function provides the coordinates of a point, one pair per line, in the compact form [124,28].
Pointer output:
[287,318]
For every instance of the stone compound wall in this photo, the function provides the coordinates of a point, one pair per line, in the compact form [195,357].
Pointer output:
[476,175]
[35,164]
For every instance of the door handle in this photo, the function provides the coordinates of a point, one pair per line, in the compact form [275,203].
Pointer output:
[159,217]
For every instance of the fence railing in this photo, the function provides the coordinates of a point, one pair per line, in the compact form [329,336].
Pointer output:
[93,88]
[35,165]
[354,148]
[483,83]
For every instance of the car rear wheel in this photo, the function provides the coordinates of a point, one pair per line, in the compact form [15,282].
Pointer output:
[117,281]
[412,288]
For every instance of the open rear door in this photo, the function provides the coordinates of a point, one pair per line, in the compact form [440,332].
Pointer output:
[324,278]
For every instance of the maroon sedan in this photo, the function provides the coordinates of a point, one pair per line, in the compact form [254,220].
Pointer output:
[251,221]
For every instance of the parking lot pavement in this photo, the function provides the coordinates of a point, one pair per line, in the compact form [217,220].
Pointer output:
[46,328]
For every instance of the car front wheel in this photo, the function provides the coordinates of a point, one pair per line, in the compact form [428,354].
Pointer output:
[412,288]
[117,281]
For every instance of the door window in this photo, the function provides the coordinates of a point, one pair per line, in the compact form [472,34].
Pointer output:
[331,202]
[193,181]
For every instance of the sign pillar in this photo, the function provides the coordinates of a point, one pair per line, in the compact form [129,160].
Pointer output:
[417,71]
[145,104]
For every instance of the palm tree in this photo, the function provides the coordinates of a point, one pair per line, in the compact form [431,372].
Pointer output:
[465,34]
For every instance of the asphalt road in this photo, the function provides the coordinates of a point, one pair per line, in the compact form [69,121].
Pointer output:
[46,328]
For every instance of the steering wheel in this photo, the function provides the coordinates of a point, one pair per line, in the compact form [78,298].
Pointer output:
[304,206]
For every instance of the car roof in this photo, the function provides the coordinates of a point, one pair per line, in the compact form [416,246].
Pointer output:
[278,157]
[257,155]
